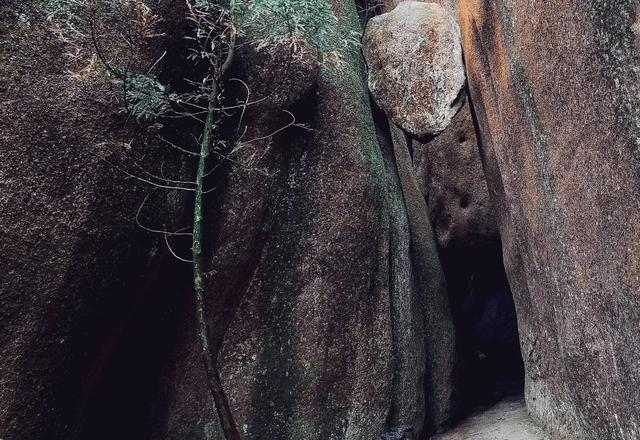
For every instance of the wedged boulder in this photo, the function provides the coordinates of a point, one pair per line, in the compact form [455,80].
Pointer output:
[450,5]
[419,84]
[331,327]
[555,91]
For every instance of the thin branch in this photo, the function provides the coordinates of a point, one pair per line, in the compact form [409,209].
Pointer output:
[96,45]
[166,240]
[210,190]
[269,136]
[235,162]
[148,182]
[244,107]
[158,231]
[156,62]
[164,179]
[213,168]
[171,144]
[230,53]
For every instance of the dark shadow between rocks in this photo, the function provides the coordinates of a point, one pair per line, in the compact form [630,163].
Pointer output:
[490,362]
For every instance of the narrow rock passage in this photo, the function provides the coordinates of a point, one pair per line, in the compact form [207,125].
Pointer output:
[507,420]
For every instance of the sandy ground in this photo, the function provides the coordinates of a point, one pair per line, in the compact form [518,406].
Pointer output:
[507,420]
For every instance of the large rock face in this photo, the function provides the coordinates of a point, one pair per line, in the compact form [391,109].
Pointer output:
[75,267]
[555,89]
[418,84]
[331,325]
[439,380]
[326,291]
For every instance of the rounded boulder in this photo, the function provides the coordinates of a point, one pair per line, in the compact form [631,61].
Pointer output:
[416,72]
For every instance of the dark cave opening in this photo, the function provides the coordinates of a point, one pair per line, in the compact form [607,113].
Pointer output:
[490,365]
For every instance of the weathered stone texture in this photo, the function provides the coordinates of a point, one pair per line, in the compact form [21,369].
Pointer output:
[450,5]
[416,73]
[74,264]
[449,172]
[430,286]
[332,326]
[554,85]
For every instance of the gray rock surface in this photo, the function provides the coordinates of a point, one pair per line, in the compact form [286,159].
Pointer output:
[428,280]
[450,5]
[416,73]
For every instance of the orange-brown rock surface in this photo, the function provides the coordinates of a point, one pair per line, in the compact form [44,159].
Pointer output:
[554,87]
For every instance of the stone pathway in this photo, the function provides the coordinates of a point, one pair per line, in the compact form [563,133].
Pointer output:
[507,420]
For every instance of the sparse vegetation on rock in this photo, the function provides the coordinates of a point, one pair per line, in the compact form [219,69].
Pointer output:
[218,29]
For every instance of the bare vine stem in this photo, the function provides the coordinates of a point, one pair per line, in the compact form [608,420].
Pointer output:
[210,357]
